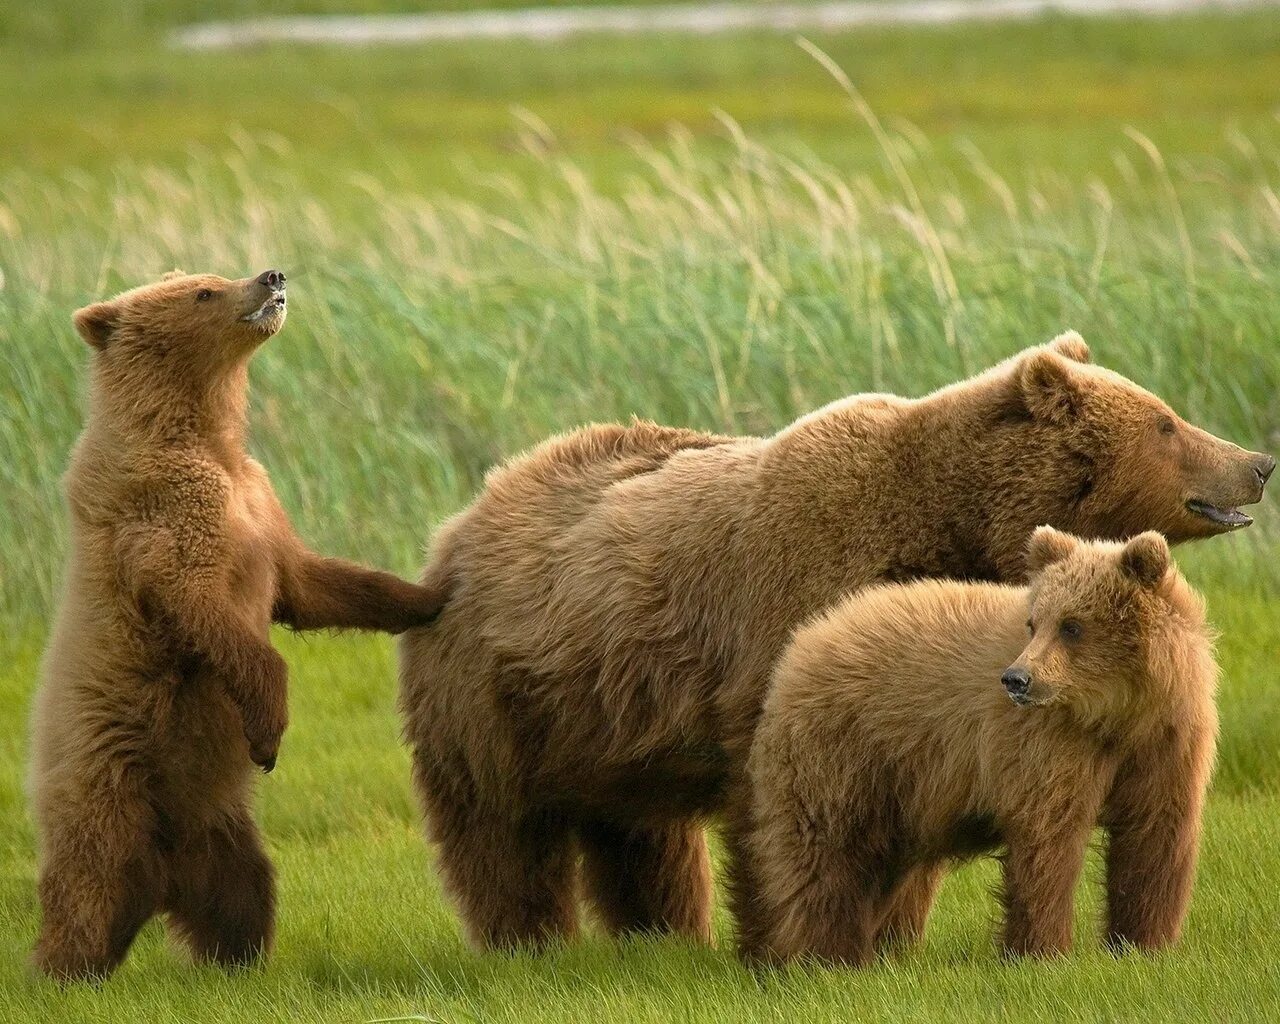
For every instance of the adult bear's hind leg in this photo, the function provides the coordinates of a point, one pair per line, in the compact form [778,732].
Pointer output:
[511,872]
[907,909]
[222,893]
[655,879]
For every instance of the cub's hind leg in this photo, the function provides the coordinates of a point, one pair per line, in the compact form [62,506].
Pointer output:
[101,875]
[648,879]
[222,892]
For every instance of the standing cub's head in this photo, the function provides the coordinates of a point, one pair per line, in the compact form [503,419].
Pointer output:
[1115,632]
[191,322]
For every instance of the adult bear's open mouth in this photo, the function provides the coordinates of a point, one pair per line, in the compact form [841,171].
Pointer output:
[1232,518]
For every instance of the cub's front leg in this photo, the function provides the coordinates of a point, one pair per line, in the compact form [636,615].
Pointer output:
[1041,869]
[180,578]
[315,592]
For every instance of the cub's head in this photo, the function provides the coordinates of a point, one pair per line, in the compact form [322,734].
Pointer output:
[186,321]
[1113,629]
[1137,465]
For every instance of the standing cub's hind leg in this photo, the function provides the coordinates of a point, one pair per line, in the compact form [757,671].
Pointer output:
[649,879]
[222,893]
[101,878]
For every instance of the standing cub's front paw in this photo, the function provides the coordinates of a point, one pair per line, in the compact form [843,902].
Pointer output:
[416,606]
[266,711]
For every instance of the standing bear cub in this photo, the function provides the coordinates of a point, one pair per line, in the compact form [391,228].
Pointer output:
[161,687]
[621,594]
[888,746]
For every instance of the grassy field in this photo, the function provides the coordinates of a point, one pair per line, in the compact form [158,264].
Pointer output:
[490,243]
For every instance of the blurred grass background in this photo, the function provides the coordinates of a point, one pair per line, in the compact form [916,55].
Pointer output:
[490,242]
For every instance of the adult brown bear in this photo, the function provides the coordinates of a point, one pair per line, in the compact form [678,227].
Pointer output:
[620,595]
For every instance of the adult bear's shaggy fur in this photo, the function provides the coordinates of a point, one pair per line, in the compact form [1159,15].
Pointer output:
[622,594]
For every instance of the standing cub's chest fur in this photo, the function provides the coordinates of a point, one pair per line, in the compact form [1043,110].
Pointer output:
[160,685]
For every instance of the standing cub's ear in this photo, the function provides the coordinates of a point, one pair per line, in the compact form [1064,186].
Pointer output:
[1146,559]
[1047,546]
[1047,386]
[97,323]
[175,272]
[1071,346]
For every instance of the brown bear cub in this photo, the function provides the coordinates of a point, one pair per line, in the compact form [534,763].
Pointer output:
[919,723]
[622,594]
[161,688]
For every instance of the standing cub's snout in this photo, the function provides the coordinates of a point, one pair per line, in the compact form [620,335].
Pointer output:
[273,279]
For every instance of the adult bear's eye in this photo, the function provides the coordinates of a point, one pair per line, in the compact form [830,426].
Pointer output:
[1168,427]
[203,294]
[1031,627]
[1070,630]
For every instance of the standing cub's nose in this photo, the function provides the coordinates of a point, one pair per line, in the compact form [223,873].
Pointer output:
[273,279]
[1017,682]
[1264,466]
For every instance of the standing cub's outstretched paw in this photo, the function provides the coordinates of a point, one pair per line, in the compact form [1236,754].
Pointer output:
[418,605]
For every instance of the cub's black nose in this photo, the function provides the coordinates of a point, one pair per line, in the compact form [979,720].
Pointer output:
[1264,466]
[273,279]
[1017,681]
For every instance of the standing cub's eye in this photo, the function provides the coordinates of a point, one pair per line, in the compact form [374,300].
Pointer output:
[1031,627]
[1070,630]
[203,294]
[1168,427]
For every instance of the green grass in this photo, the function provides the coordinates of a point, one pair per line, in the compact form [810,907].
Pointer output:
[364,933]
[705,232]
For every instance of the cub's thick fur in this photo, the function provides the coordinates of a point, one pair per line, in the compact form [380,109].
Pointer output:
[888,746]
[622,594]
[161,687]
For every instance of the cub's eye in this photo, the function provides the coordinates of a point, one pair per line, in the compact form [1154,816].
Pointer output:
[1031,626]
[1070,630]
[203,294]
[1168,427]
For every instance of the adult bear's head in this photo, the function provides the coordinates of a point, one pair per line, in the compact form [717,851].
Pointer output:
[1136,465]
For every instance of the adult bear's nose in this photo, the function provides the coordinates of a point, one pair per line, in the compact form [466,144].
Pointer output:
[1017,682]
[273,279]
[1263,467]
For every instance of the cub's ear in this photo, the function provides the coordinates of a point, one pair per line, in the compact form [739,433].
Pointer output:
[1071,346]
[175,272]
[1048,387]
[97,323]
[1146,559]
[1047,546]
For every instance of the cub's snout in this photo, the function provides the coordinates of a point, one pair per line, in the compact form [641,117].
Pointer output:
[1017,684]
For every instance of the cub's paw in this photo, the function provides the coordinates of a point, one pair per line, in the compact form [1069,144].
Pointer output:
[266,713]
[416,606]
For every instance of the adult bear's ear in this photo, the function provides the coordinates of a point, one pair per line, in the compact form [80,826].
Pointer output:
[97,323]
[1047,546]
[175,272]
[1146,559]
[1047,386]
[1071,346]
